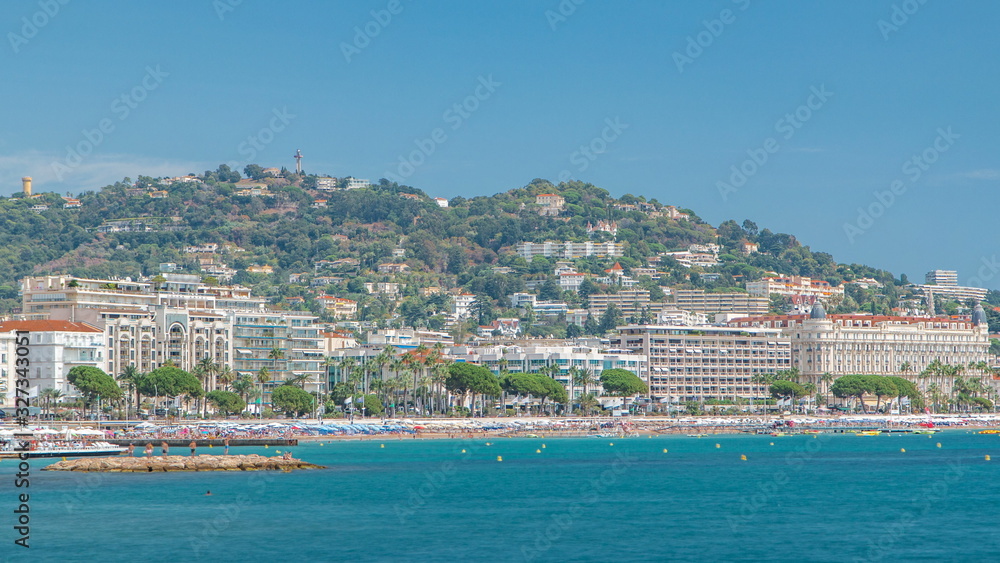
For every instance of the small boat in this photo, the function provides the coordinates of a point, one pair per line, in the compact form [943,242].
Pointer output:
[867,432]
[930,431]
[697,435]
[62,449]
[989,431]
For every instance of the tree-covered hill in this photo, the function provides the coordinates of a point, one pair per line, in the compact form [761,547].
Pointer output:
[131,227]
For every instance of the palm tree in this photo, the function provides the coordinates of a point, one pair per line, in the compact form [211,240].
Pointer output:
[205,370]
[299,380]
[274,355]
[826,380]
[225,375]
[131,377]
[243,385]
[263,376]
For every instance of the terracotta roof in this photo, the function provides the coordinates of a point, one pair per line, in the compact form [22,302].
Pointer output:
[47,326]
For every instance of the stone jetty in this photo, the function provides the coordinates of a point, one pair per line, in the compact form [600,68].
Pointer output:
[122,464]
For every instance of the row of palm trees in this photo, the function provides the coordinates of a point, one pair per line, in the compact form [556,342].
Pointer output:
[416,377]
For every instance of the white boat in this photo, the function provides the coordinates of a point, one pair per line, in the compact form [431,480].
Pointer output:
[60,449]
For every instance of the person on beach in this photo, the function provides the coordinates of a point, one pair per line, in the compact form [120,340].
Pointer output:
[165,449]
[226,443]
[149,449]
[193,445]
[131,450]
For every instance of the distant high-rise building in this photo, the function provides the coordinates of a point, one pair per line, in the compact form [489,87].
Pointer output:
[941,277]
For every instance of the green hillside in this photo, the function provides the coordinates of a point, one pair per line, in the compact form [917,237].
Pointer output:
[469,244]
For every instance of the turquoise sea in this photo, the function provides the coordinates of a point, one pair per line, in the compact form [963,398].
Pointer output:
[829,498]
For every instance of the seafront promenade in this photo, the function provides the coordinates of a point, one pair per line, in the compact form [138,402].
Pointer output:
[287,432]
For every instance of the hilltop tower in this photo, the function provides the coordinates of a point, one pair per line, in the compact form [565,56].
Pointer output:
[26,185]
[298,161]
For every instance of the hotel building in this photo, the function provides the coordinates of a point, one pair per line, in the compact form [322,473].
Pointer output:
[699,363]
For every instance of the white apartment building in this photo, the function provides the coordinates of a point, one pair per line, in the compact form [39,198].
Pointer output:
[795,286]
[699,363]
[569,250]
[55,347]
[532,358]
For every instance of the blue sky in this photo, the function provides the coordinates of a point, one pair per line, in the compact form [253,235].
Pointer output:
[468,98]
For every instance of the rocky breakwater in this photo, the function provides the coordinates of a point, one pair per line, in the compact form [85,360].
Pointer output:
[123,464]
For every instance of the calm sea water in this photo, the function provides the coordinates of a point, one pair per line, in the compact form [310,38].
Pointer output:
[837,498]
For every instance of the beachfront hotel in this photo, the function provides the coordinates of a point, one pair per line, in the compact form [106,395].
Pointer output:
[876,345]
[181,319]
[706,362]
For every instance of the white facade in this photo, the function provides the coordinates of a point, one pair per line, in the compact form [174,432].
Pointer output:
[694,364]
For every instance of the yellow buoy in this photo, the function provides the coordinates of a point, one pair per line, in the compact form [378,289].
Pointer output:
[210,446]
[538,451]
[463,451]
[718,445]
[277,451]
[939,444]
[772,443]
[265,446]
[902,450]
[611,444]
[743,457]
[488,444]
[543,446]
[987,458]
[64,459]
[321,443]
[664,450]
[381,445]
[499,458]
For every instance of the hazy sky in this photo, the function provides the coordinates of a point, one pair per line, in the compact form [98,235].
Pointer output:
[793,114]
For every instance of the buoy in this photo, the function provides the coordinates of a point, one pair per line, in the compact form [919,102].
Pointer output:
[939,444]
[265,446]
[277,451]
[463,451]
[381,445]
[321,443]
[538,451]
[543,446]
[611,444]
[772,443]
[902,450]
[488,444]
[210,446]
[743,457]
[64,459]
[499,458]
[987,458]
[718,445]
[664,450]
